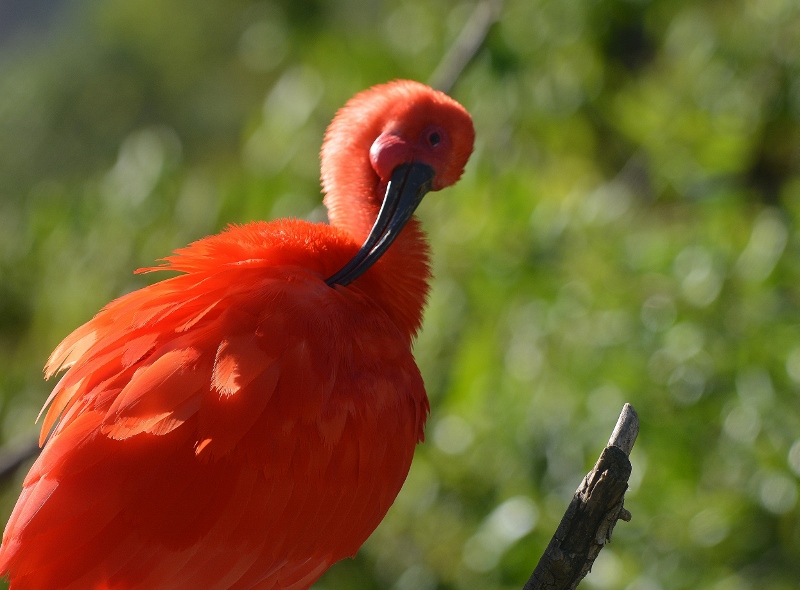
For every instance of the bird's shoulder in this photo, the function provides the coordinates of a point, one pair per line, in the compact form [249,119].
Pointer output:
[285,242]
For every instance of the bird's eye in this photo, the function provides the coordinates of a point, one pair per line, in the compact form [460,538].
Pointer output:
[434,139]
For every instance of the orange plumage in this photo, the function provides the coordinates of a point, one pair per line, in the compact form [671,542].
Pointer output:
[245,424]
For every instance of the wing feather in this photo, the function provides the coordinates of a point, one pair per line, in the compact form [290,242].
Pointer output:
[225,419]
[168,389]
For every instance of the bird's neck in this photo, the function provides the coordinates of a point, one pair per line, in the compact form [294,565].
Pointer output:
[399,281]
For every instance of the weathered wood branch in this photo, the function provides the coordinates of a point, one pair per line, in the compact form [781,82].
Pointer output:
[591,516]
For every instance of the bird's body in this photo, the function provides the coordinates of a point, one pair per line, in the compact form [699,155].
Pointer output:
[242,425]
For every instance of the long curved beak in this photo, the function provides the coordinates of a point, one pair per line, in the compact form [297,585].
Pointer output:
[408,184]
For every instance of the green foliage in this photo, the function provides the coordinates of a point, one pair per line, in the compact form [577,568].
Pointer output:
[626,231]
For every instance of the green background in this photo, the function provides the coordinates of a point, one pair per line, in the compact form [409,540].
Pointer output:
[625,231]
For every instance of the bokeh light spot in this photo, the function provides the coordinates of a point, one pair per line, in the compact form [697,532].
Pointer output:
[658,313]
[778,493]
[794,457]
[453,435]
[708,527]
[510,521]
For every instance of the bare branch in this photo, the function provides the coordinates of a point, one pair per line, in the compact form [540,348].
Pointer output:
[591,516]
[626,430]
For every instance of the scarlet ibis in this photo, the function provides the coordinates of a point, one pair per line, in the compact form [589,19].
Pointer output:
[247,423]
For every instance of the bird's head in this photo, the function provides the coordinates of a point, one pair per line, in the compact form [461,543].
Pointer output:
[433,130]
[417,140]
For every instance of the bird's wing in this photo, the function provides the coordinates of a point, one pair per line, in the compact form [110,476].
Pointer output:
[149,358]
[232,403]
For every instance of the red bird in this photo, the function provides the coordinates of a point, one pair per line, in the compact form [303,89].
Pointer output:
[248,423]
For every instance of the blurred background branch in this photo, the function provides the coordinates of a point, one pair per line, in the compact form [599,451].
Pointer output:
[15,454]
[466,46]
